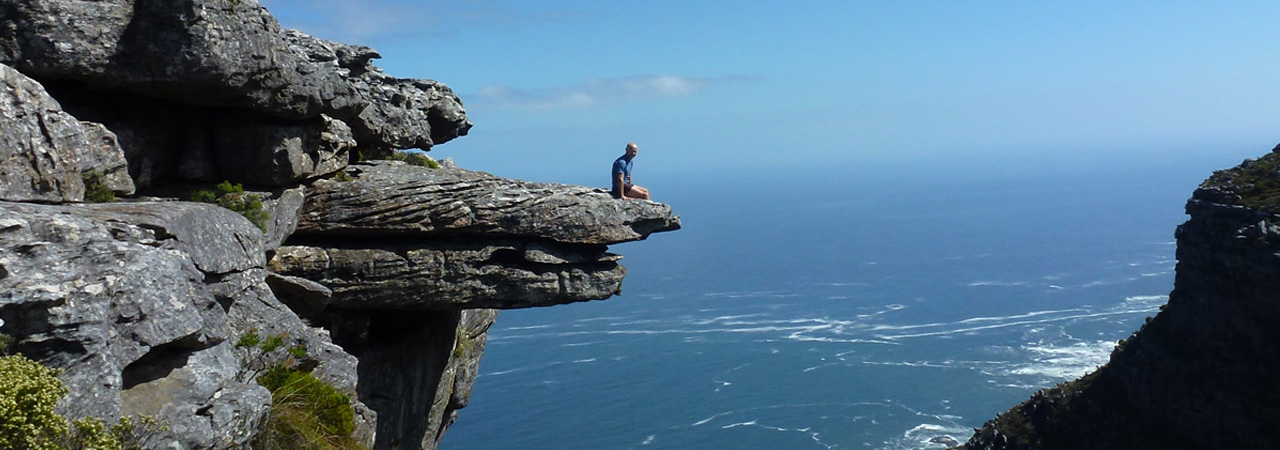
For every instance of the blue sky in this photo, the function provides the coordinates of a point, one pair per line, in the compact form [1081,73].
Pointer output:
[556,88]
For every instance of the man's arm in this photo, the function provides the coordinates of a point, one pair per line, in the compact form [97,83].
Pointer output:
[618,187]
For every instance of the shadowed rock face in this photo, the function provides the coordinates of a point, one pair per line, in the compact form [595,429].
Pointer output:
[1202,373]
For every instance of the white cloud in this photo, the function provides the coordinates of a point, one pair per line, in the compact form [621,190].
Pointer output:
[595,92]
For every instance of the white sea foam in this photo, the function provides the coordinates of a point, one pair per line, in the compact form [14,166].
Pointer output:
[709,419]
[504,372]
[969,330]
[843,284]
[1147,299]
[597,319]
[1000,283]
[648,439]
[532,327]
[930,436]
[1063,362]
[582,344]
[721,319]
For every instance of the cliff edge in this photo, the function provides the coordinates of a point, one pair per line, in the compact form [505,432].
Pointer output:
[1202,373]
[383,277]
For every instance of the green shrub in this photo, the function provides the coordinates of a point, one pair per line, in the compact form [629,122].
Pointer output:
[28,393]
[342,176]
[233,197]
[414,158]
[95,189]
[203,196]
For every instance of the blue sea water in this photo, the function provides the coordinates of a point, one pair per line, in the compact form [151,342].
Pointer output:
[828,311]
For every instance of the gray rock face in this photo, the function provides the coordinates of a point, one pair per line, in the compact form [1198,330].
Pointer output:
[104,155]
[137,303]
[38,144]
[124,311]
[283,210]
[400,113]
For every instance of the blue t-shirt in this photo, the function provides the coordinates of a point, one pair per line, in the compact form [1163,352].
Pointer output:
[622,165]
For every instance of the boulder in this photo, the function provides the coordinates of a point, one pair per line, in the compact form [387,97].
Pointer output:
[38,144]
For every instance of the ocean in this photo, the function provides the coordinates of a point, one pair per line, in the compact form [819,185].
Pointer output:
[886,310]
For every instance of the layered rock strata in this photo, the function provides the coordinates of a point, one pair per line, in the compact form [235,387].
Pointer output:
[452,238]
[1201,373]
[388,281]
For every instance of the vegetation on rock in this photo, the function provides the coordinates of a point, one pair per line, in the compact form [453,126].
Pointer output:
[306,413]
[462,343]
[29,392]
[233,197]
[1256,182]
[95,188]
[342,176]
[414,158]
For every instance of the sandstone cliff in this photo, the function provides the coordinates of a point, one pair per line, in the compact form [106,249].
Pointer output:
[1202,373]
[388,274]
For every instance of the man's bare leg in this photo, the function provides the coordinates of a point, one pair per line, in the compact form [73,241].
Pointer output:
[638,192]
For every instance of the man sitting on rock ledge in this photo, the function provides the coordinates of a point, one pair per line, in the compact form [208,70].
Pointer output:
[622,187]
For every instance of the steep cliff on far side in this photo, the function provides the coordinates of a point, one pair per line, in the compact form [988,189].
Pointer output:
[1202,373]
